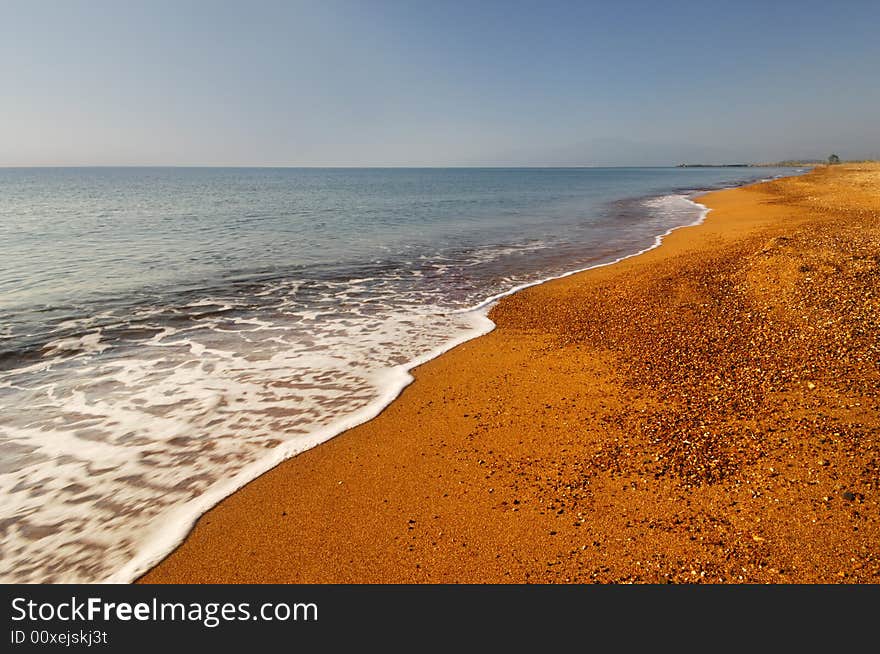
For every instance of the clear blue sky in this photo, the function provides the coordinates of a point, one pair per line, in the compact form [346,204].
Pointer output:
[436,83]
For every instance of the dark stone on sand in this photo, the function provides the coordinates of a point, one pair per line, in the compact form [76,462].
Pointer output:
[849,495]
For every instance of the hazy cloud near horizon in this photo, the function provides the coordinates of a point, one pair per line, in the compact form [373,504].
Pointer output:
[425,83]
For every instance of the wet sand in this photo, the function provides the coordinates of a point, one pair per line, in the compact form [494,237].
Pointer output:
[704,412]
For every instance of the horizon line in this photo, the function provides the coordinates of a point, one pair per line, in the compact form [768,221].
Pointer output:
[412,167]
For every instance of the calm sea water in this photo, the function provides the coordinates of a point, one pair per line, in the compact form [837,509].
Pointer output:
[168,334]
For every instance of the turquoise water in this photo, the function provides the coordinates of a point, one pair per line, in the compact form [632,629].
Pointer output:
[170,333]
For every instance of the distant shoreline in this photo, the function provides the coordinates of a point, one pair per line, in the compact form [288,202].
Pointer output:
[780,164]
[716,166]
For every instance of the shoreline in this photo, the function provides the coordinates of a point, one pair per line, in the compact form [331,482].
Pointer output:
[188,515]
[308,529]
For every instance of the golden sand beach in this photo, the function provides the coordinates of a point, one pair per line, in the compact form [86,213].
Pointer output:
[704,412]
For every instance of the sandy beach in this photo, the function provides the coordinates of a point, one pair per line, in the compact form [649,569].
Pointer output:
[704,412]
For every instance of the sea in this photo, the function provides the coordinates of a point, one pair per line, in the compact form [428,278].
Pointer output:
[168,334]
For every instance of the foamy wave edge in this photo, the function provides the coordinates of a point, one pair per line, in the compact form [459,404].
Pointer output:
[182,520]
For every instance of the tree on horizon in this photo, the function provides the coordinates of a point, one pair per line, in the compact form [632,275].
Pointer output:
[833,159]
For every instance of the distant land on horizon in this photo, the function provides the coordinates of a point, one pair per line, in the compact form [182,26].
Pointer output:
[775,164]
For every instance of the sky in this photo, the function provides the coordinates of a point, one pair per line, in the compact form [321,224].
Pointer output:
[437,83]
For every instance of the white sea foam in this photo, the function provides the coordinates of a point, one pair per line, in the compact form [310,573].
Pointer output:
[116,449]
